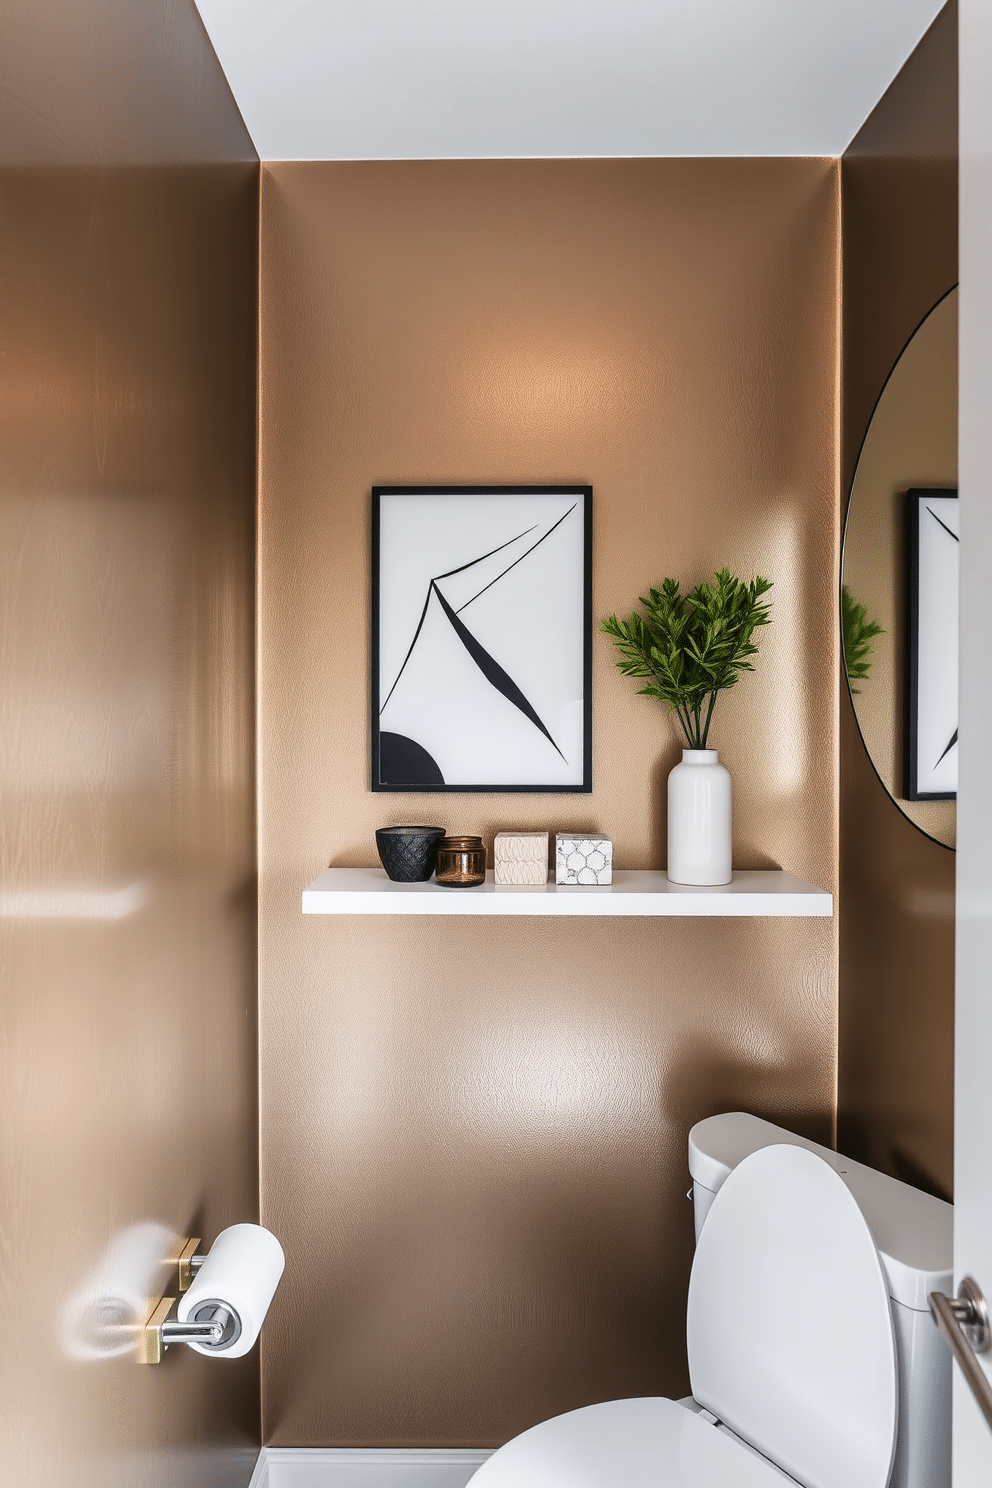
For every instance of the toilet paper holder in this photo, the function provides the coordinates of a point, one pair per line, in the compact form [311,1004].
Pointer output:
[189,1263]
[218,1329]
[222,1308]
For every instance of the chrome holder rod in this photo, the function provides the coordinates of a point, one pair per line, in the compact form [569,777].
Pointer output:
[211,1332]
[189,1263]
[219,1329]
[964,1322]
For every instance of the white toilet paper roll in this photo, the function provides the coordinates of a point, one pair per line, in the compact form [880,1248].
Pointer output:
[241,1273]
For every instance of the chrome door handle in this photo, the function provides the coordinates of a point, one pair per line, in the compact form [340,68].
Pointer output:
[964,1322]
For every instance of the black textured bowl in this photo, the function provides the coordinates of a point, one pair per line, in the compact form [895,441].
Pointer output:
[408,854]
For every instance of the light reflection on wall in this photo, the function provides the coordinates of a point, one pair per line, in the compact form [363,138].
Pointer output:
[568,385]
[548,1075]
[784,668]
[81,902]
[530,1076]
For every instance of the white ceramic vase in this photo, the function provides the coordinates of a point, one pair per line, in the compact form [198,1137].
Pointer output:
[699,830]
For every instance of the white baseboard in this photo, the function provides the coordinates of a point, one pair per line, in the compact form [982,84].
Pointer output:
[260,1477]
[333,1467]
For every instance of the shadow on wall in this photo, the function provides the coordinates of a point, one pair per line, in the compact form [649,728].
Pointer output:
[707,1083]
[897,977]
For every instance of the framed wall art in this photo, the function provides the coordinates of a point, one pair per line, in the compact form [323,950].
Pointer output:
[932,549]
[482,638]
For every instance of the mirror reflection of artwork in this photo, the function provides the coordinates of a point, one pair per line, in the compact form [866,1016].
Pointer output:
[932,702]
[481,647]
[911,444]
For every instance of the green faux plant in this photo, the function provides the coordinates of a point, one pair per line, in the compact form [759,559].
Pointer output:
[859,632]
[690,647]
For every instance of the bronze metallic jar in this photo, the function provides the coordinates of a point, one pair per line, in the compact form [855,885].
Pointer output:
[461,862]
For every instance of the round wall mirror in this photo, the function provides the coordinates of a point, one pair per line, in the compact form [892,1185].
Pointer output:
[899,579]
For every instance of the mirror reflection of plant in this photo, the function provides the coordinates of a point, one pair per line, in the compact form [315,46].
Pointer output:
[691,647]
[859,632]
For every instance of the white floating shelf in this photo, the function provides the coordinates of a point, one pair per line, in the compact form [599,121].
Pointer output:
[349,891]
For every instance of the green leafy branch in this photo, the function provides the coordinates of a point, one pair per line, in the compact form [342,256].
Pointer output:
[691,647]
[859,632]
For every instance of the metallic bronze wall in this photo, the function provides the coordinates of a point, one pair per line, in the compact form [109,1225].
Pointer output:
[128,297]
[473,1132]
[112,82]
[896,1066]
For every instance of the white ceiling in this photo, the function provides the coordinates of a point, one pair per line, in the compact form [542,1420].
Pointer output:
[440,79]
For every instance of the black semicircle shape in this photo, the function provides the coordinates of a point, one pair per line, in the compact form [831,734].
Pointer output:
[403,761]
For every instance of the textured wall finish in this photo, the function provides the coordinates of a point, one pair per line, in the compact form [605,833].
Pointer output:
[113,82]
[473,1134]
[896,1064]
[127,898]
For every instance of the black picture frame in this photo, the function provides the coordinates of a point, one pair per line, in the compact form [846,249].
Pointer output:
[931,627]
[541,619]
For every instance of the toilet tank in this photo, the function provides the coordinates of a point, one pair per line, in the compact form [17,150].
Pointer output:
[913,1233]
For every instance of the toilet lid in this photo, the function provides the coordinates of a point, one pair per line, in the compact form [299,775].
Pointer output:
[788,1325]
[651,1443]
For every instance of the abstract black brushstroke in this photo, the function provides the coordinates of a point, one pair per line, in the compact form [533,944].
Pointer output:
[513,564]
[492,671]
[939,524]
[489,667]
[403,761]
[954,740]
[954,736]
[448,575]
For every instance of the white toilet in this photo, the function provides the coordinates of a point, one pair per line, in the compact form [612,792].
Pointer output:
[813,1357]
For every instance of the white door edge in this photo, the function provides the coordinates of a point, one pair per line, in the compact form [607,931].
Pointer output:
[972,1446]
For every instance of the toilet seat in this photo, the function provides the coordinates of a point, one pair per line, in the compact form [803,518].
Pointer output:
[791,1348]
[644,1443]
[789,1326]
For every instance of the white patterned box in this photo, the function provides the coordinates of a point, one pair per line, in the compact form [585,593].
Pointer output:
[520,857]
[583,860]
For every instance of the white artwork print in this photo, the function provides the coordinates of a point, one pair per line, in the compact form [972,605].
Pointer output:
[936,660]
[482,644]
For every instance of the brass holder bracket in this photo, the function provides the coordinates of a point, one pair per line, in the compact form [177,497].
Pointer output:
[219,1327]
[189,1264]
[150,1345]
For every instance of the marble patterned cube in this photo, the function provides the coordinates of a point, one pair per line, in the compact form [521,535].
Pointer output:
[520,857]
[582,859]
